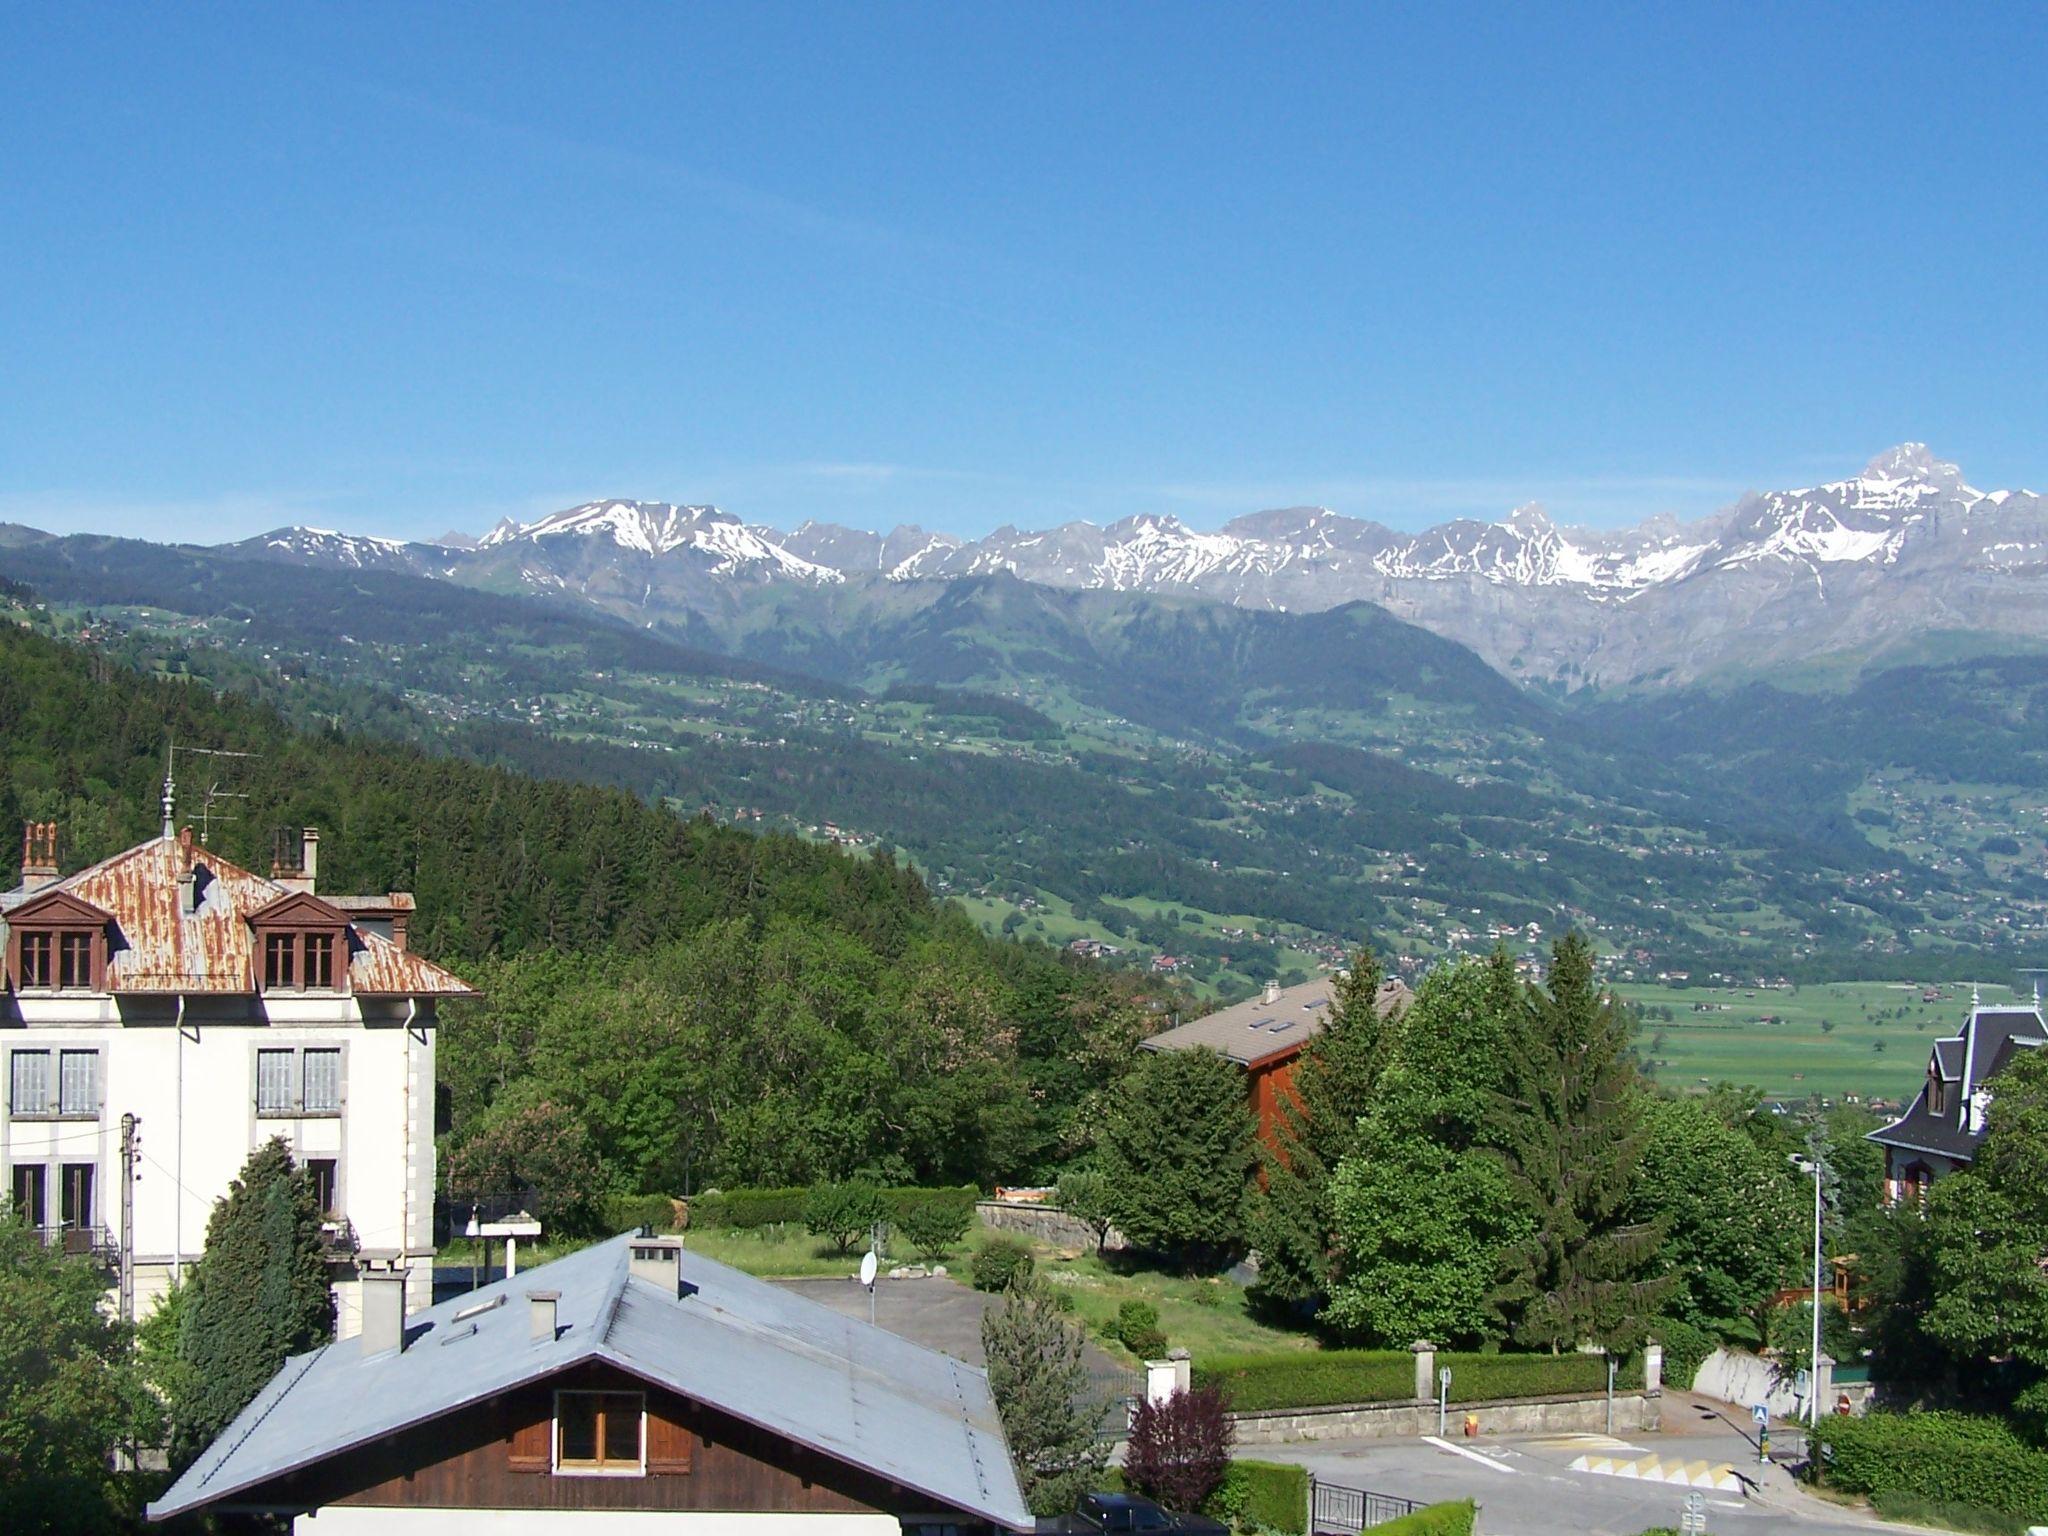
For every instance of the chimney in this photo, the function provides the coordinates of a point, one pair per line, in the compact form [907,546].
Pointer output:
[542,1307]
[383,1310]
[658,1261]
[296,872]
[188,893]
[38,854]
[1272,993]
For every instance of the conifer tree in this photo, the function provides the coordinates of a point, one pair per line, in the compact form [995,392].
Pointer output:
[1570,1133]
[1316,1129]
[1039,1379]
[1178,1149]
[261,1295]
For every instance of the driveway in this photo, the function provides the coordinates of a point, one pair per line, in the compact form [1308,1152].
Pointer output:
[1525,1486]
[942,1314]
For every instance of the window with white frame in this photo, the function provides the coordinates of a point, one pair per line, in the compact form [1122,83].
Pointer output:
[28,1087]
[274,1082]
[322,1078]
[298,1081]
[78,1083]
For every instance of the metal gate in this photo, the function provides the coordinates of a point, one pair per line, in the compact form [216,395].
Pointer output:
[1335,1510]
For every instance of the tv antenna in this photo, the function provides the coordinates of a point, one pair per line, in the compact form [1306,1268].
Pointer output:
[214,795]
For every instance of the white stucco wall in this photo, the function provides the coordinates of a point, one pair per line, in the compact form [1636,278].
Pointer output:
[192,1087]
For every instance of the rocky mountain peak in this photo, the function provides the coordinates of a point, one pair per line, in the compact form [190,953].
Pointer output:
[1912,461]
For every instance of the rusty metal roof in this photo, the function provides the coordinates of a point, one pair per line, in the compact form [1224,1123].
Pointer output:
[159,948]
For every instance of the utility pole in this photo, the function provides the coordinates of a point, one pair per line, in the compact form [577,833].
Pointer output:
[128,1178]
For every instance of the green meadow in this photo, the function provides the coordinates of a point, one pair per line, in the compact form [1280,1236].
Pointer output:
[1834,1039]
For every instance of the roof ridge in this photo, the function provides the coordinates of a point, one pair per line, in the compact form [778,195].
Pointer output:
[305,1364]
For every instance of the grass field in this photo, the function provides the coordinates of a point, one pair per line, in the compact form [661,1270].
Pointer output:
[1835,1038]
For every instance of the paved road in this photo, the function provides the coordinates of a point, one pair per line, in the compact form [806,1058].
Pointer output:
[1525,1486]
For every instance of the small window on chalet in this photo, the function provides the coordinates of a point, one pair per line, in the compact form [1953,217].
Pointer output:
[321,1170]
[74,960]
[599,1432]
[280,952]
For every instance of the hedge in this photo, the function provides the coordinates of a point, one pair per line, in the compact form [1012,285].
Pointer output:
[1324,1378]
[1451,1519]
[1309,1379]
[629,1213]
[1945,1458]
[1262,1495]
[1491,1378]
[748,1208]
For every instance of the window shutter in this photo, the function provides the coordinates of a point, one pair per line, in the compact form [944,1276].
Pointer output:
[323,1080]
[29,1093]
[529,1435]
[78,1088]
[273,1081]
[668,1443]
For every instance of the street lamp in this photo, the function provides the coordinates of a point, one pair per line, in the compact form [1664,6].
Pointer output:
[1812,1165]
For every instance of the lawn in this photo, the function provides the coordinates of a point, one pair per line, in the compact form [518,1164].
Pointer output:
[1833,1038]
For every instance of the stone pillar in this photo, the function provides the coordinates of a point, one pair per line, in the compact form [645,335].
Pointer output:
[1653,1369]
[1159,1380]
[1183,1369]
[1425,1370]
[1823,1383]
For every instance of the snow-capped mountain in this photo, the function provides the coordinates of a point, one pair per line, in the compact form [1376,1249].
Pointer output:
[1902,549]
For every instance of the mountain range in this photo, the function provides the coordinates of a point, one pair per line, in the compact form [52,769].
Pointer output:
[1899,562]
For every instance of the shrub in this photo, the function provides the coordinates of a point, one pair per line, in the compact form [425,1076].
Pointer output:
[628,1213]
[1943,1458]
[960,1199]
[1452,1519]
[744,1209]
[1305,1379]
[1137,1329]
[1001,1263]
[1686,1347]
[1179,1448]
[844,1213]
[1262,1496]
[933,1227]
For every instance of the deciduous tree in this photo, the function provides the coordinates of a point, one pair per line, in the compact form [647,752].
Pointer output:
[1179,1448]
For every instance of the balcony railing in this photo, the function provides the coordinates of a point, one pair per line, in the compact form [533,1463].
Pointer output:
[338,1237]
[95,1243]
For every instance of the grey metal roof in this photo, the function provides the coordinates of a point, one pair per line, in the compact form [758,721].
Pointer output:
[1256,1031]
[1948,1058]
[860,1394]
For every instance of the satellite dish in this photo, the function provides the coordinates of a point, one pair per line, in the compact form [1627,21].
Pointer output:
[867,1267]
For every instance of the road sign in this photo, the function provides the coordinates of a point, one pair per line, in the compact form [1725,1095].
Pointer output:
[1761,1414]
[1692,1519]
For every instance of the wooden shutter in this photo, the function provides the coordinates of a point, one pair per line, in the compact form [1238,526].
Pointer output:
[529,1435]
[668,1443]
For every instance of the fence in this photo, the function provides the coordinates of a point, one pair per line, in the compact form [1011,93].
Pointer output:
[1335,1510]
[1119,1389]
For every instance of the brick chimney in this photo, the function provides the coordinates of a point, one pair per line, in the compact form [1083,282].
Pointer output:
[304,873]
[38,855]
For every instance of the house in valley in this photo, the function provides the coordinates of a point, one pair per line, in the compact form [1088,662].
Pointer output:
[1941,1128]
[633,1386]
[168,1011]
[1266,1036]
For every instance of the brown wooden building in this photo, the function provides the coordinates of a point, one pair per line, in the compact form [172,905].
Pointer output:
[1266,1036]
[629,1384]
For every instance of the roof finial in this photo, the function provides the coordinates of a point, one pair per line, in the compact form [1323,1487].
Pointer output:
[170,803]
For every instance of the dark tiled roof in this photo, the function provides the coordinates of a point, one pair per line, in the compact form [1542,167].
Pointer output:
[1989,1040]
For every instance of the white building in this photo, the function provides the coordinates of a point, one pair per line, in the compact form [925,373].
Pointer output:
[218,1009]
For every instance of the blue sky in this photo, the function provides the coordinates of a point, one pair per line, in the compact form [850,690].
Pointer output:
[401,269]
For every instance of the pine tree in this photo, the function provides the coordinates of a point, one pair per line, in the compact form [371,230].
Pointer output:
[1039,1379]
[1178,1149]
[1316,1129]
[260,1296]
[1570,1132]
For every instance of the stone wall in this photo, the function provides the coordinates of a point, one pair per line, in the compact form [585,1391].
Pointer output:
[1047,1223]
[1633,1411]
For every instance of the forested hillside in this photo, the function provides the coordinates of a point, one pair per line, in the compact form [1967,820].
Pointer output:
[667,1001]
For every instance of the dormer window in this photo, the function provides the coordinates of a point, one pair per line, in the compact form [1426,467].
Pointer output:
[57,943]
[1935,1105]
[301,945]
